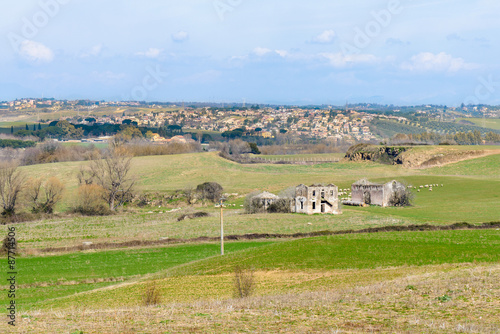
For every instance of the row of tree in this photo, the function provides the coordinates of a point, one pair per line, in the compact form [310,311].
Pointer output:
[104,185]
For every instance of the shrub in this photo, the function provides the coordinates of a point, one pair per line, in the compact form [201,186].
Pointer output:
[403,196]
[243,282]
[211,191]
[252,204]
[151,294]
[192,215]
[8,245]
[90,201]
[281,205]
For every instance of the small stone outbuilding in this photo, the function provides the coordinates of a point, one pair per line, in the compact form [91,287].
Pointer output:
[265,199]
[316,199]
[366,192]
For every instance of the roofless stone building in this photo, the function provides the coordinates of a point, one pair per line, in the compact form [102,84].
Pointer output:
[316,199]
[366,192]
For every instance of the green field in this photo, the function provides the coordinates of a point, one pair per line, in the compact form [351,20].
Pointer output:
[374,257]
[301,157]
[490,123]
[53,276]
[385,282]
[469,193]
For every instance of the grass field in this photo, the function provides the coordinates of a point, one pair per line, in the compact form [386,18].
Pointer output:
[490,123]
[389,281]
[299,157]
[61,275]
[469,193]
[441,281]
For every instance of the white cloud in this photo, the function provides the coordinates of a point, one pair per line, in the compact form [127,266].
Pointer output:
[282,53]
[261,51]
[93,51]
[325,37]
[150,53]
[36,52]
[180,36]
[341,60]
[441,62]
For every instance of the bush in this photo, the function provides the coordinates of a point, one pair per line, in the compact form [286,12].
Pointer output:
[192,215]
[253,205]
[402,197]
[281,205]
[6,245]
[243,282]
[151,294]
[90,201]
[211,191]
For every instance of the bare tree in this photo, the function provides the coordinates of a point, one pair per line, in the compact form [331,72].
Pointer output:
[11,184]
[111,172]
[44,196]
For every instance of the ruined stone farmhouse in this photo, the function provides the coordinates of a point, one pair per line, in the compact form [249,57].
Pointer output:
[366,192]
[316,199]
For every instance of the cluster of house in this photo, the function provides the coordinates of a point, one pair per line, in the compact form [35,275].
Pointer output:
[324,199]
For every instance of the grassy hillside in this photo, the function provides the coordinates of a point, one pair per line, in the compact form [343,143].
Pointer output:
[308,265]
[490,123]
[469,193]
[53,276]
[444,281]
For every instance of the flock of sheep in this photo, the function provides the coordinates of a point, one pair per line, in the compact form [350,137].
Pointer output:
[346,192]
[427,186]
[343,192]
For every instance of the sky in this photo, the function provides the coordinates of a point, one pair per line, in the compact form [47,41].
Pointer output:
[401,52]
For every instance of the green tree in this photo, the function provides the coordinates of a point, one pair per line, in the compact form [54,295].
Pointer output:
[254,148]
[69,130]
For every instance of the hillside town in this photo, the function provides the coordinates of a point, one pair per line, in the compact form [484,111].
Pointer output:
[355,123]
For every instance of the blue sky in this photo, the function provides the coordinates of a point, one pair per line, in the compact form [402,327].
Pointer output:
[275,51]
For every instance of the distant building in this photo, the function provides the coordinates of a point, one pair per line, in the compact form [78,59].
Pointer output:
[366,192]
[316,199]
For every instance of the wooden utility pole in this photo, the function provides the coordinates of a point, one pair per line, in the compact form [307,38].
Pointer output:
[221,228]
